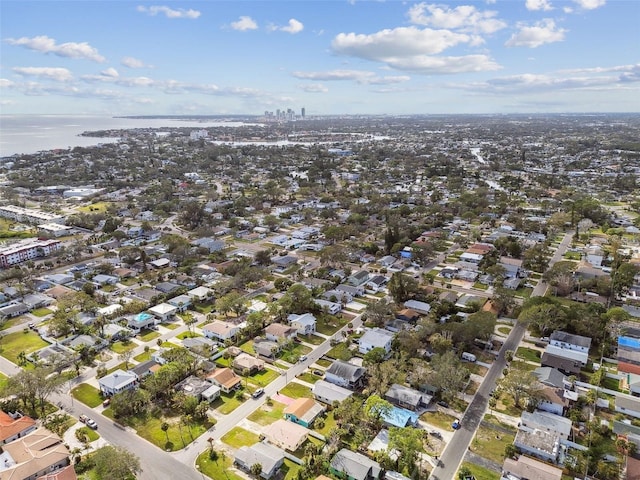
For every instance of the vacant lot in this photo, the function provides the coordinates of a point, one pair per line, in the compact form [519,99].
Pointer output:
[11,345]
[239,437]
[87,394]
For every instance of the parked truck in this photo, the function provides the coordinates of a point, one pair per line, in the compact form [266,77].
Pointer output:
[469,357]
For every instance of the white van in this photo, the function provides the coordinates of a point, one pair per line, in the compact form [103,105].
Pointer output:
[469,357]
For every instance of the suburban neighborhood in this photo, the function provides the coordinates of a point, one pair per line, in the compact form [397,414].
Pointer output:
[380,299]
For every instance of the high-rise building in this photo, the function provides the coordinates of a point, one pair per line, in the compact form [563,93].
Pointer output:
[302,112]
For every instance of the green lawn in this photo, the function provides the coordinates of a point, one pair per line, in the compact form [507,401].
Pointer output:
[170,326]
[41,312]
[129,281]
[98,207]
[323,362]
[263,378]
[309,377]
[504,330]
[340,352]
[12,322]
[438,419]
[87,394]
[14,343]
[226,403]
[218,469]
[120,366]
[529,354]
[3,380]
[205,308]
[312,339]
[330,324]
[144,356]
[91,434]
[120,347]
[329,423]
[490,443]
[266,414]
[148,335]
[247,347]
[292,355]
[239,437]
[179,435]
[184,335]
[296,390]
[481,473]
[290,469]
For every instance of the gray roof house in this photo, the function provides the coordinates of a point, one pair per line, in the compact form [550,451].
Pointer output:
[117,382]
[551,377]
[345,374]
[354,466]
[329,393]
[407,397]
[269,457]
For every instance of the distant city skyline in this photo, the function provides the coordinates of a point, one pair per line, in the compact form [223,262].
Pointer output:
[330,57]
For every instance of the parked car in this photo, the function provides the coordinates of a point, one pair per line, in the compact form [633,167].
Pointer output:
[257,393]
[455,425]
[83,418]
[435,434]
[319,373]
[444,404]
[106,402]
[303,358]
[91,424]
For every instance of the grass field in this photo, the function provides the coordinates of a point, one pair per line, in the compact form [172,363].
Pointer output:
[92,435]
[529,354]
[98,207]
[292,355]
[226,403]
[312,339]
[3,380]
[296,390]
[340,352]
[144,356]
[239,437]
[87,394]
[481,473]
[438,419]
[11,345]
[178,436]
[329,324]
[221,468]
[12,322]
[266,415]
[147,335]
[263,378]
[120,347]
[309,377]
[490,443]
[41,312]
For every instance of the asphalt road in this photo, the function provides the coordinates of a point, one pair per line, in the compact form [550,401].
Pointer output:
[456,449]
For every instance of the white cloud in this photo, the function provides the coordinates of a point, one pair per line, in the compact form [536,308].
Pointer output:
[315,88]
[538,5]
[534,36]
[590,4]
[244,23]
[131,62]
[169,12]
[360,76]
[294,26]
[430,65]
[44,44]
[110,72]
[6,83]
[52,73]
[464,18]
[397,42]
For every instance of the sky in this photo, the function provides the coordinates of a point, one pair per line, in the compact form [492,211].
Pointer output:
[332,57]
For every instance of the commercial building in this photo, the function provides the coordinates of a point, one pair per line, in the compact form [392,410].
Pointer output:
[25,250]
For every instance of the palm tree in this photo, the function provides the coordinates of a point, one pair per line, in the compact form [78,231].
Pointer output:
[165,428]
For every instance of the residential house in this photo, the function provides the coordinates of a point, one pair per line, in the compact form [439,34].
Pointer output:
[376,283]
[286,435]
[555,400]
[140,321]
[387,261]
[329,393]
[167,287]
[303,411]
[13,310]
[269,457]
[539,443]
[220,330]
[64,473]
[358,279]
[245,362]
[628,405]
[337,296]
[345,374]
[14,426]
[117,382]
[567,366]
[551,377]
[201,294]
[527,468]
[202,390]
[32,456]
[115,332]
[283,262]
[546,421]
[210,244]
[225,378]
[305,324]
[163,312]
[354,291]
[349,465]
[399,417]
[102,279]
[422,308]
[144,369]
[265,348]
[375,338]
[181,302]
[407,397]
[331,307]
[277,332]
[570,341]
[408,315]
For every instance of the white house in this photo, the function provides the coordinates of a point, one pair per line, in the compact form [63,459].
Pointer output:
[569,341]
[375,338]
[422,308]
[201,294]
[332,307]
[117,382]
[305,324]
[628,405]
[220,330]
[163,312]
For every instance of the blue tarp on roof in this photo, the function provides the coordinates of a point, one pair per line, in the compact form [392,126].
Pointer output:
[400,417]
[629,342]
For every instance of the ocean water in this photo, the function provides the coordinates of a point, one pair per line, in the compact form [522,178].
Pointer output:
[34,133]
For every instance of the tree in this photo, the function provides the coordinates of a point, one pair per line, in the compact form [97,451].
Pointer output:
[231,302]
[407,441]
[544,318]
[263,257]
[402,287]
[374,356]
[520,383]
[33,387]
[124,357]
[377,313]
[298,299]
[256,469]
[448,375]
[622,279]
[537,258]
[116,463]
[165,428]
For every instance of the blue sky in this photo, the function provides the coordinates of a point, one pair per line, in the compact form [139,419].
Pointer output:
[125,57]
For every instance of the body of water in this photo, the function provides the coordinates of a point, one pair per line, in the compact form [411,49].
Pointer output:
[33,133]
